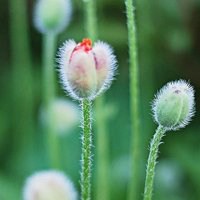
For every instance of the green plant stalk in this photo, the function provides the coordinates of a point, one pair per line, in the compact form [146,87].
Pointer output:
[102,182]
[150,172]
[134,104]
[102,179]
[49,46]
[86,158]
[145,42]
[23,97]
[90,19]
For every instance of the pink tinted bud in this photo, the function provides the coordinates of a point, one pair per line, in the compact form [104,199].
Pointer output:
[86,71]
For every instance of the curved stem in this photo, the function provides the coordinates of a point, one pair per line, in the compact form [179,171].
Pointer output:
[134,105]
[150,172]
[86,161]
[49,46]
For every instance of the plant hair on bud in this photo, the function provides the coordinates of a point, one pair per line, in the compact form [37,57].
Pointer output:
[86,71]
[173,106]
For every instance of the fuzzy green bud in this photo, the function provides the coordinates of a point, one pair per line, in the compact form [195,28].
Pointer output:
[173,106]
[52,16]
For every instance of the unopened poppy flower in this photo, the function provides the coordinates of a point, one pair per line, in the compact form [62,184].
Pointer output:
[52,16]
[173,106]
[49,185]
[86,70]
[66,116]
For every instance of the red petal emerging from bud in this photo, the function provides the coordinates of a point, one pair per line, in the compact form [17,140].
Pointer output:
[86,71]
[85,45]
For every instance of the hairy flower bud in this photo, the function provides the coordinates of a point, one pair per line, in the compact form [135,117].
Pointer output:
[49,185]
[52,16]
[173,106]
[86,71]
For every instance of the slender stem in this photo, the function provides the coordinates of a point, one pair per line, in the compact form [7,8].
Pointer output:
[102,180]
[86,157]
[90,19]
[150,172]
[134,105]
[145,33]
[49,46]
[23,97]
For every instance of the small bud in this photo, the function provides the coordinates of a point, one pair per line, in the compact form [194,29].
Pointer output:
[168,177]
[66,115]
[52,16]
[173,106]
[49,185]
[86,71]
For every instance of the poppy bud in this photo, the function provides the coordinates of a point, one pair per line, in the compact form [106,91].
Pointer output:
[173,106]
[49,185]
[52,16]
[86,71]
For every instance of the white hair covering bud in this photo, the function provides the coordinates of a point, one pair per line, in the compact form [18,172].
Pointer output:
[52,16]
[173,106]
[49,185]
[86,71]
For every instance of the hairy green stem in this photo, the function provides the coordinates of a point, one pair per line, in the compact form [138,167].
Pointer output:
[150,172]
[134,105]
[86,158]
[102,179]
[49,46]
[102,182]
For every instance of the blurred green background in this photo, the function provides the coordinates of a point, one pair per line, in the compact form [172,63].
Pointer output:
[169,49]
